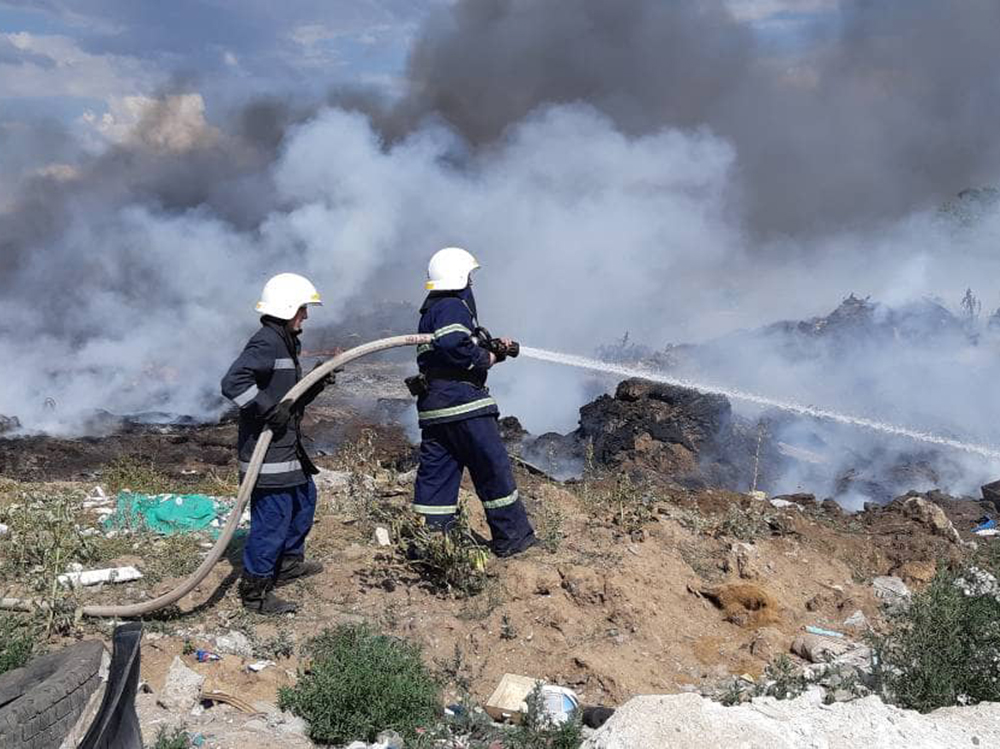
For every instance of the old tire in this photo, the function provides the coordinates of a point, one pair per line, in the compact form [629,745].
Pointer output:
[42,701]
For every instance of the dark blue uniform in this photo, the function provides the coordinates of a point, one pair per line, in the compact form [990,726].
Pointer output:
[458,421]
[283,502]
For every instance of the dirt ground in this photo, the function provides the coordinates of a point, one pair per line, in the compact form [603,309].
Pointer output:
[710,584]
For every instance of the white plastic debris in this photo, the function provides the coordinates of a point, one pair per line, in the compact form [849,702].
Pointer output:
[96,498]
[987,532]
[781,503]
[757,494]
[382,536]
[259,666]
[95,577]
[4,529]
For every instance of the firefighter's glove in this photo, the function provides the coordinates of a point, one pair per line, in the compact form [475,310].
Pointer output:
[278,417]
[313,392]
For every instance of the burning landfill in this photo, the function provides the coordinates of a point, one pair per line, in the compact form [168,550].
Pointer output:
[746,253]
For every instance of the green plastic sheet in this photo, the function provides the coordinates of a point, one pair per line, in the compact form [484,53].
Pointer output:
[167,514]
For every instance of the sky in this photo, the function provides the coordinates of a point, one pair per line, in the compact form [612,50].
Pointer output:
[78,67]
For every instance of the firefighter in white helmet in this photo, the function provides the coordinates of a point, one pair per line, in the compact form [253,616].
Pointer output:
[457,415]
[283,502]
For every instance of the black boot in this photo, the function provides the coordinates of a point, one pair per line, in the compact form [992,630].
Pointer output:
[256,595]
[295,568]
[518,548]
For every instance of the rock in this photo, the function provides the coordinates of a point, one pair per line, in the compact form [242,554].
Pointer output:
[687,721]
[255,725]
[381,537]
[294,725]
[830,506]
[333,481]
[817,649]
[991,493]
[891,589]
[357,745]
[390,739]
[857,621]
[917,572]
[234,643]
[182,688]
[768,643]
[746,560]
[799,498]
[930,514]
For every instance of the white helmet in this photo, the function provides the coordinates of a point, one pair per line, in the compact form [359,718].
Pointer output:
[449,269]
[285,293]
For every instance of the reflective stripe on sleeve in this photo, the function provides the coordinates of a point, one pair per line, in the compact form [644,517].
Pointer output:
[271,468]
[284,364]
[456,328]
[496,504]
[435,509]
[423,348]
[246,396]
[465,408]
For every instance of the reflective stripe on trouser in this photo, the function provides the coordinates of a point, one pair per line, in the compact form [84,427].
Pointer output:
[447,449]
[280,520]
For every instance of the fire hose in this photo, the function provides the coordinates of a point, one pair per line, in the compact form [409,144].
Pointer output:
[246,487]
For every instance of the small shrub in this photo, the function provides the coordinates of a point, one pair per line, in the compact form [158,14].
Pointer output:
[453,561]
[628,504]
[744,524]
[944,648]
[538,731]
[135,474]
[507,629]
[359,683]
[18,639]
[171,738]
[279,645]
[782,679]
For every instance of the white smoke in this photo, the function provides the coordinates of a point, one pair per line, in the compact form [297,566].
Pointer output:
[583,232]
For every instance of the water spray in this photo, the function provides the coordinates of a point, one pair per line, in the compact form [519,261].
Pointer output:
[917,435]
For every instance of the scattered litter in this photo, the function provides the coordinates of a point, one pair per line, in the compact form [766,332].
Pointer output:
[96,498]
[987,532]
[189,472]
[596,716]
[382,536]
[508,700]
[77,578]
[197,739]
[825,632]
[203,656]
[230,699]
[390,740]
[757,494]
[985,523]
[260,666]
[782,503]
[4,529]
[165,514]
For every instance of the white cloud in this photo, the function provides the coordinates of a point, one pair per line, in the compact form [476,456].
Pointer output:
[75,72]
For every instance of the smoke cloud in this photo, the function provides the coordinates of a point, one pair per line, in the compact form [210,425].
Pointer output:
[651,168]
